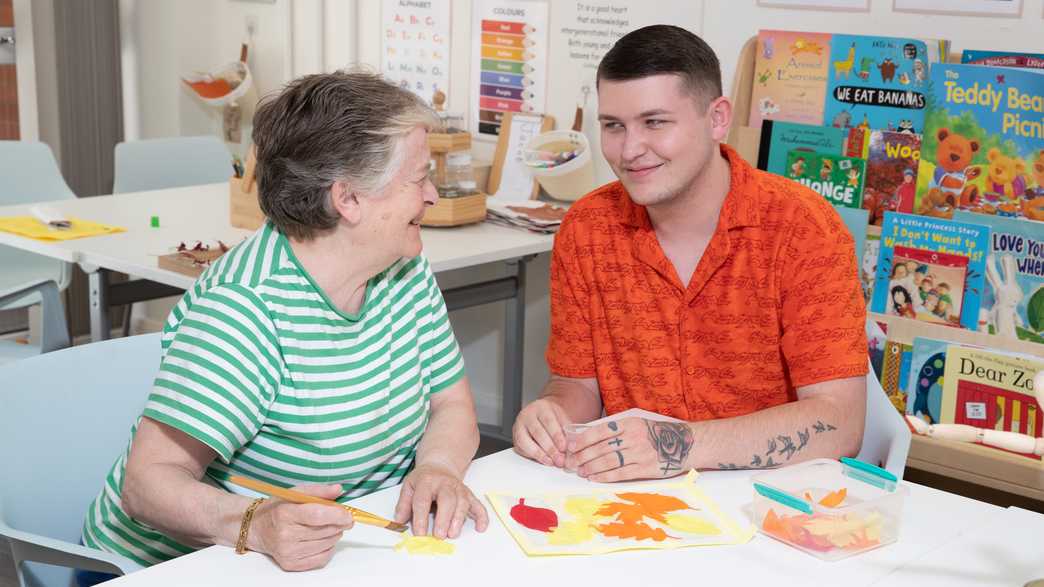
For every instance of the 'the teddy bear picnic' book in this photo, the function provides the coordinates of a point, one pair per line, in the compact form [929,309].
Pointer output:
[1014,296]
[983,144]
[933,235]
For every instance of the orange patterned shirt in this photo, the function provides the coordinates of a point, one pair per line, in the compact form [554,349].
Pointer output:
[774,304]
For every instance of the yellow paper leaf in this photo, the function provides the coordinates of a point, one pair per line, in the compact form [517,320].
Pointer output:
[424,545]
[583,508]
[691,525]
[571,532]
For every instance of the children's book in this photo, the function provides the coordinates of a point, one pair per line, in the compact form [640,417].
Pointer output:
[1014,295]
[790,77]
[939,279]
[983,144]
[891,172]
[779,138]
[1003,58]
[868,268]
[935,236]
[894,373]
[877,83]
[855,220]
[838,179]
[992,390]
[925,378]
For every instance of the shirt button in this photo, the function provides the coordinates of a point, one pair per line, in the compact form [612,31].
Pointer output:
[691,370]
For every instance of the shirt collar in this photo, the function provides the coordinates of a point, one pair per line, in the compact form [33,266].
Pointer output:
[739,208]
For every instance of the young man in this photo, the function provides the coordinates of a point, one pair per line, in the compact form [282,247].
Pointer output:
[695,287]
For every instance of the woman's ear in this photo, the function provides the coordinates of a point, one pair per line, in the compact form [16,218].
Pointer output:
[346,201]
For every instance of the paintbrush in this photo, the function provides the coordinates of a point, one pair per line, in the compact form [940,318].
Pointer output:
[363,517]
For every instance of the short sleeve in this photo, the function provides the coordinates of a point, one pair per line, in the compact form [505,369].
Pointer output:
[570,349]
[441,350]
[220,370]
[822,309]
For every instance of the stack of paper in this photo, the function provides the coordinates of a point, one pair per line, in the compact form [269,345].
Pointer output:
[532,215]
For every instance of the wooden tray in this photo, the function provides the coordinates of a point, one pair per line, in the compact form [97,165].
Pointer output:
[193,266]
[456,211]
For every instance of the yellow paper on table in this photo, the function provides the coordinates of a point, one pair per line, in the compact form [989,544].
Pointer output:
[599,520]
[30,227]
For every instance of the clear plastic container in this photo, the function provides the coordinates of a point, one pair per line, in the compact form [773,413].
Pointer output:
[829,509]
[460,176]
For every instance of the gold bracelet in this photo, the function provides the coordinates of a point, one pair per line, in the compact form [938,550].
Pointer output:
[244,528]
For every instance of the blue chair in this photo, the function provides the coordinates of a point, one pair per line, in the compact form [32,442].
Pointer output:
[54,333]
[155,164]
[66,417]
[30,175]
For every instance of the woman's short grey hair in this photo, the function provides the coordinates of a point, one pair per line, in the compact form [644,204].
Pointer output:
[323,128]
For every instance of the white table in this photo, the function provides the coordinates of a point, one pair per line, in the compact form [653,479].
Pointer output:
[201,213]
[932,520]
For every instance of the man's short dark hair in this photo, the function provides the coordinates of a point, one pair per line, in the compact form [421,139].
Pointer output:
[664,49]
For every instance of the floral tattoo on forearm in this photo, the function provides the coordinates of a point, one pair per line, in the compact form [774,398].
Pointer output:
[672,442]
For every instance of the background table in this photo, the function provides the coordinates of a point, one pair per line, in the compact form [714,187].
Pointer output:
[932,521]
[201,213]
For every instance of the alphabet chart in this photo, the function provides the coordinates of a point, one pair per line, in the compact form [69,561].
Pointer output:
[415,45]
[509,61]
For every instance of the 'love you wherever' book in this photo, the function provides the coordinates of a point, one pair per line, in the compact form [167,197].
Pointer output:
[1014,296]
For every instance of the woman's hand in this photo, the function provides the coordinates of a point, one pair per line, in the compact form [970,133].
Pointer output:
[300,537]
[430,483]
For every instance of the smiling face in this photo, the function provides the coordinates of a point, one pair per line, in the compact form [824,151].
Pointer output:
[390,219]
[657,136]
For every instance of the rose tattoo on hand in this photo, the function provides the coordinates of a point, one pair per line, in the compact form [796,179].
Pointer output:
[672,442]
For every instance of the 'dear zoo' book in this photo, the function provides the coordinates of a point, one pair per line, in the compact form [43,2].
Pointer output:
[933,235]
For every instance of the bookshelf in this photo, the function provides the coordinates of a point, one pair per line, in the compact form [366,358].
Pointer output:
[969,463]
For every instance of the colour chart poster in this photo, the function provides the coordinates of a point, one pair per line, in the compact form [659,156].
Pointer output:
[415,45]
[509,61]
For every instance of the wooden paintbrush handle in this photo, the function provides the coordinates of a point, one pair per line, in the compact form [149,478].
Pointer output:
[363,517]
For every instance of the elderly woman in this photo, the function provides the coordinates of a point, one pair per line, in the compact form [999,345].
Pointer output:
[317,354]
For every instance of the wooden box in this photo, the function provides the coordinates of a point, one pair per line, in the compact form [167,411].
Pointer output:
[446,142]
[456,211]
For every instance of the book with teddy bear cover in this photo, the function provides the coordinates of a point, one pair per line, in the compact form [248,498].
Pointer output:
[983,144]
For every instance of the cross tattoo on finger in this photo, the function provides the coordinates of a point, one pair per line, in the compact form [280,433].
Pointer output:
[616,442]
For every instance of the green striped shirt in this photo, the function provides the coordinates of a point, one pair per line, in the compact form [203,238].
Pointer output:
[260,366]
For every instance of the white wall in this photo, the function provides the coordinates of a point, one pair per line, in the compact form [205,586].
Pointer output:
[306,36]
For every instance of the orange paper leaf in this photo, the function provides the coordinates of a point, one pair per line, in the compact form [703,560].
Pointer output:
[834,498]
[638,531]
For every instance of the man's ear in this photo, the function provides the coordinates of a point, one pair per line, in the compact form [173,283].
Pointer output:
[720,112]
[346,201]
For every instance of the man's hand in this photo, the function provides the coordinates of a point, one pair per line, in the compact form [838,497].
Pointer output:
[439,484]
[300,537]
[539,432]
[631,448]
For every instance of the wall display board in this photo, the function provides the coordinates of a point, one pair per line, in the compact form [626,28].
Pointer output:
[415,45]
[509,61]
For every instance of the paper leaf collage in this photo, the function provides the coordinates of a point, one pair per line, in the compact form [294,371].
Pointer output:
[660,516]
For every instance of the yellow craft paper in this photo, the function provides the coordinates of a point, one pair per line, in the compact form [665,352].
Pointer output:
[581,528]
[576,534]
[30,227]
[424,545]
[691,524]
